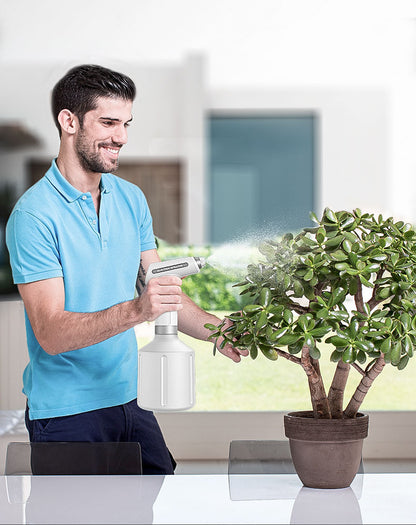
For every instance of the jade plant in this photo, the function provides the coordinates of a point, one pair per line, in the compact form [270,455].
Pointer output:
[348,282]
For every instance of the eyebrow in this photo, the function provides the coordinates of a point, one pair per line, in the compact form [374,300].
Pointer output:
[115,119]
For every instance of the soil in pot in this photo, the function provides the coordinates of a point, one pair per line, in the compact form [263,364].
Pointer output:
[326,453]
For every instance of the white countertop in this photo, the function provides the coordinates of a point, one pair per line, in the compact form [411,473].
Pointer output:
[269,498]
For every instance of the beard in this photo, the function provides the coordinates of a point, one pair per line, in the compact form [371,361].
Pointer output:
[92,160]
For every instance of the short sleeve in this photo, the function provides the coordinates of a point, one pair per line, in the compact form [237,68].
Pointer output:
[33,249]
[147,237]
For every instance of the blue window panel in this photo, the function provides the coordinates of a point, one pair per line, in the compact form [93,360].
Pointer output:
[261,175]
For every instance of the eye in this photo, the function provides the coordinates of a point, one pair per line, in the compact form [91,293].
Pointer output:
[127,125]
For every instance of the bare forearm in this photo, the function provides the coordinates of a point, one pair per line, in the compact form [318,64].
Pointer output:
[58,330]
[73,330]
[191,320]
[66,331]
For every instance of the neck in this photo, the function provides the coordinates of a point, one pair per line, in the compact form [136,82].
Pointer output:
[77,176]
[81,179]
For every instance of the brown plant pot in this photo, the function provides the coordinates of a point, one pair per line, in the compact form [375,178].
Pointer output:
[326,453]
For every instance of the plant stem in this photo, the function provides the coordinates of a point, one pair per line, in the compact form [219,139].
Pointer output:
[373,301]
[289,357]
[358,298]
[363,387]
[358,368]
[319,398]
[299,309]
[336,391]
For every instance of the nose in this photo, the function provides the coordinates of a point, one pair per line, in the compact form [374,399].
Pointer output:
[120,135]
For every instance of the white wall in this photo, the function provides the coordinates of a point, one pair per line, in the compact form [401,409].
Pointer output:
[353,61]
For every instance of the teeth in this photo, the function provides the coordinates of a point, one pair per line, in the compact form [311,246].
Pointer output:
[112,150]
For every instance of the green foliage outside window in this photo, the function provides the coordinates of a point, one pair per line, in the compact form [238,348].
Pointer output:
[211,289]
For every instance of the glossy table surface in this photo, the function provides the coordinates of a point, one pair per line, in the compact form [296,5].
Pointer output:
[242,498]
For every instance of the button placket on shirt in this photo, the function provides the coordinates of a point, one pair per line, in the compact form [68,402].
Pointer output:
[103,219]
[88,208]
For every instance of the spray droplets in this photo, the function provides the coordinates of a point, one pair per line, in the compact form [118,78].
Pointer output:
[234,257]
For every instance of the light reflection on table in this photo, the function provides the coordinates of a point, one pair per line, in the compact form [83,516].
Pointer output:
[270,498]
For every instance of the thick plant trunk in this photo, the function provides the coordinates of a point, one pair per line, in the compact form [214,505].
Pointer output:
[337,389]
[363,387]
[319,398]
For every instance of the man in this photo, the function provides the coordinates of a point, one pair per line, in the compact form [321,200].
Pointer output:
[76,241]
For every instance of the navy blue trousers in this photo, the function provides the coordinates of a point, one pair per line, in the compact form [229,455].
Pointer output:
[123,423]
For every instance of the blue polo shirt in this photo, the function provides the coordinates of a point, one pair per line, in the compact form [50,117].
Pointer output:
[54,231]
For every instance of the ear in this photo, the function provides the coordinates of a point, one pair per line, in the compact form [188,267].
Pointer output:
[68,121]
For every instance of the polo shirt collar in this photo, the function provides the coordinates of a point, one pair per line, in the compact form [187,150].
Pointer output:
[66,189]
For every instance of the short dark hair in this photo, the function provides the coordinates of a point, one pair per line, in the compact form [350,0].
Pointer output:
[80,88]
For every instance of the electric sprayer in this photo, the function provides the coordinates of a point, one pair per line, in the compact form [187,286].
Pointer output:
[166,378]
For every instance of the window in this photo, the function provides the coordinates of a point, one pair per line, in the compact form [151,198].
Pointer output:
[261,174]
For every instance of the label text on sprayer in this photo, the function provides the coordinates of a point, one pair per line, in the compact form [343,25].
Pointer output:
[167,269]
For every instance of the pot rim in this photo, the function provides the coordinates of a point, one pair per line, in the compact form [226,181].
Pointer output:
[308,414]
[303,426]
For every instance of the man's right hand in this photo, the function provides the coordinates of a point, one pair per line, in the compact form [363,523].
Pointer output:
[160,295]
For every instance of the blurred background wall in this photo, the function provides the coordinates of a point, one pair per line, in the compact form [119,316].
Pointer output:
[348,66]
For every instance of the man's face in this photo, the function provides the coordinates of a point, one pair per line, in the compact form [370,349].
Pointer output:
[102,134]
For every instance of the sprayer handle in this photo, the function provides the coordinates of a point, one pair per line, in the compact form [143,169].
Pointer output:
[181,267]
[167,319]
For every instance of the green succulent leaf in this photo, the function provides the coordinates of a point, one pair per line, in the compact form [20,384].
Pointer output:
[384,293]
[334,242]
[338,341]
[314,352]
[252,308]
[354,328]
[303,322]
[349,355]
[338,295]
[330,215]
[320,331]
[320,235]
[270,353]
[395,353]
[403,362]
[406,321]
[288,339]
[361,357]
[211,327]
[274,336]
[336,356]
[365,282]
[265,297]
[313,217]
[339,255]
[261,321]
[288,316]
[253,351]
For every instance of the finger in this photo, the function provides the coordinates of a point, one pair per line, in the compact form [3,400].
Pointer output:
[169,299]
[169,290]
[170,307]
[167,280]
[233,353]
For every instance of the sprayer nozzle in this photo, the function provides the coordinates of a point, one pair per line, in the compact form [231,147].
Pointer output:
[200,261]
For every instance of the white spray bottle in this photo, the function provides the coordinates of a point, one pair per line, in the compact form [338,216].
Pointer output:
[166,378]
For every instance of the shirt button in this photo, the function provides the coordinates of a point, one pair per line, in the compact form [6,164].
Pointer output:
[84,197]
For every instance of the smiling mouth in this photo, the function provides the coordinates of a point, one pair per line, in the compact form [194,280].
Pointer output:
[113,152]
